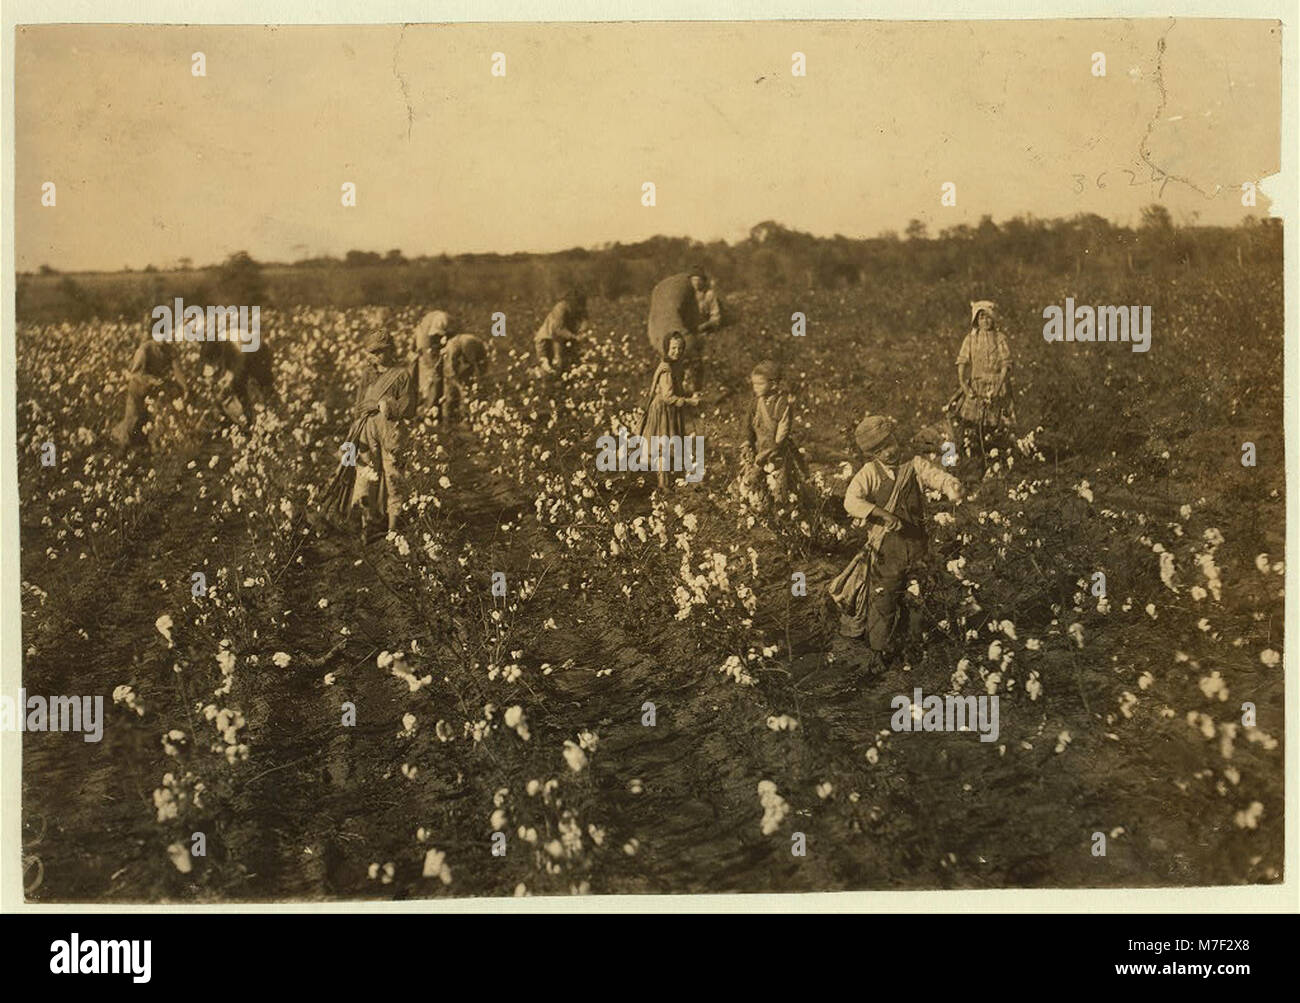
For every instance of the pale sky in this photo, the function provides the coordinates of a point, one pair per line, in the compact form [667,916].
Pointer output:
[153,164]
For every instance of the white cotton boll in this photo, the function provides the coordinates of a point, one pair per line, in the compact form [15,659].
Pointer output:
[1202,721]
[1213,685]
[1270,658]
[1249,818]
[180,857]
[575,757]
[433,863]
[775,808]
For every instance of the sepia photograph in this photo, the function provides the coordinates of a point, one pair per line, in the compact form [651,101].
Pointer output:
[654,457]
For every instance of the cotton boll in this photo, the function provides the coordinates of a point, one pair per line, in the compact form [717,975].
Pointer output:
[575,757]
[180,857]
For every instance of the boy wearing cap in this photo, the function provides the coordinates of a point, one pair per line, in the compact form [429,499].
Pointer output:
[890,496]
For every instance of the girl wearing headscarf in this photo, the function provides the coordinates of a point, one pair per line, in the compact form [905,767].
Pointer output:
[666,410]
[889,495]
[983,365]
[373,482]
[768,447]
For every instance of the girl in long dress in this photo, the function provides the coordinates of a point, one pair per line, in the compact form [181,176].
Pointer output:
[984,405]
[668,409]
[385,395]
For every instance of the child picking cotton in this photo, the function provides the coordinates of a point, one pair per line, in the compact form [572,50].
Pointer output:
[385,396]
[669,418]
[890,496]
[771,466]
[984,406]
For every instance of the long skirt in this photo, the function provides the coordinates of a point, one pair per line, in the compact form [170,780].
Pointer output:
[664,430]
[429,378]
[374,483]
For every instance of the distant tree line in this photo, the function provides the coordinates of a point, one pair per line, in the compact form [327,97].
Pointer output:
[773,256]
